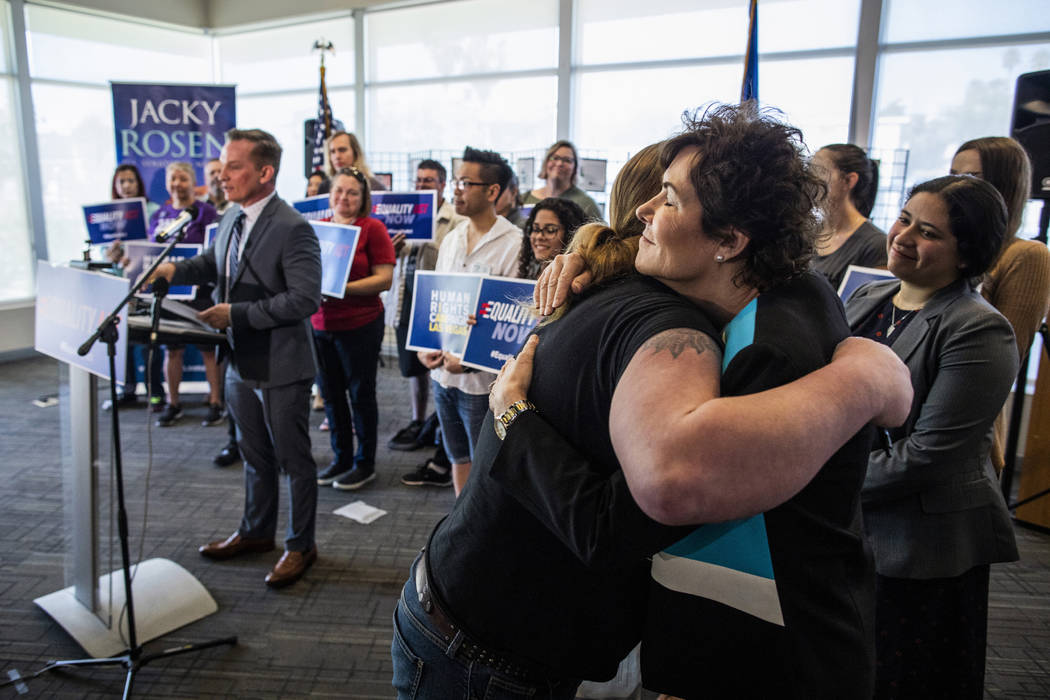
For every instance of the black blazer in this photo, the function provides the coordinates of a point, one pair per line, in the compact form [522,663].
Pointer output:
[276,290]
[932,507]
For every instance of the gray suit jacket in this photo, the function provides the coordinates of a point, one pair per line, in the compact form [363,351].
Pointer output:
[932,507]
[277,289]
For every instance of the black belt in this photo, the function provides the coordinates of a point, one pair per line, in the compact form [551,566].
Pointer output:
[468,649]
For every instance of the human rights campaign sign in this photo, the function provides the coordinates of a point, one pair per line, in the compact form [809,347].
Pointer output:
[441,302]
[408,213]
[142,254]
[123,219]
[160,124]
[314,208]
[70,304]
[338,243]
[503,322]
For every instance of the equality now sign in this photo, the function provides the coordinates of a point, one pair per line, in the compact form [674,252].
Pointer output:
[441,303]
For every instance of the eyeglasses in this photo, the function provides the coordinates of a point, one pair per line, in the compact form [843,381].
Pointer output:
[426,181]
[548,230]
[463,183]
[568,160]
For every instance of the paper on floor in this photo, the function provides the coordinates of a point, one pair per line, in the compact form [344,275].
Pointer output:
[361,512]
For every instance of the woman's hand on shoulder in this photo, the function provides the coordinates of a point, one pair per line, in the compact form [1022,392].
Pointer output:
[567,274]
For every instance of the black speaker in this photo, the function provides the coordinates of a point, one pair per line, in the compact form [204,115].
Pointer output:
[1031,127]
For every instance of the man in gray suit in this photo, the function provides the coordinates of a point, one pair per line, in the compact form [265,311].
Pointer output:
[266,266]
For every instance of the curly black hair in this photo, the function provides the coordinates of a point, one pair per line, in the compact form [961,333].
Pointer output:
[571,217]
[751,174]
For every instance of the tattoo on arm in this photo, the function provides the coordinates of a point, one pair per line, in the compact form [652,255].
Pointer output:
[678,340]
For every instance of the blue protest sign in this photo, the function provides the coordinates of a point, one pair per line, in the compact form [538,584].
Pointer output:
[142,254]
[857,275]
[441,302]
[159,124]
[123,219]
[70,304]
[503,322]
[209,234]
[314,208]
[338,243]
[408,213]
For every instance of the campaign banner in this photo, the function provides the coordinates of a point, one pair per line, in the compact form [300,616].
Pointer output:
[856,275]
[503,322]
[314,208]
[441,302]
[338,243]
[70,305]
[408,213]
[123,219]
[142,254]
[159,124]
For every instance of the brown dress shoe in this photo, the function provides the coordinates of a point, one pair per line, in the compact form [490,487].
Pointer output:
[235,545]
[291,568]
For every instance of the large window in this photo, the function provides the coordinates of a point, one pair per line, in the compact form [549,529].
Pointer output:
[958,94]
[272,60]
[461,38]
[78,47]
[16,263]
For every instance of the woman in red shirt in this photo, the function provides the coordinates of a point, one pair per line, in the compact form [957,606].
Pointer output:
[348,333]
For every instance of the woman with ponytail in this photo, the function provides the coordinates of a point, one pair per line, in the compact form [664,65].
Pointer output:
[847,237]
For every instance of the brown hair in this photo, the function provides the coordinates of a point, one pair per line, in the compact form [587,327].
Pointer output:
[1006,167]
[359,154]
[609,251]
[561,143]
[366,190]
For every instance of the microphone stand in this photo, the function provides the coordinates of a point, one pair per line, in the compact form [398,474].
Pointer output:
[134,658]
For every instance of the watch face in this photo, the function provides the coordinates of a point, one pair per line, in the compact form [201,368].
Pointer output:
[501,430]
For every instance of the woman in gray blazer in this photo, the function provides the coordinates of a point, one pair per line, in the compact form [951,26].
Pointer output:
[932,507]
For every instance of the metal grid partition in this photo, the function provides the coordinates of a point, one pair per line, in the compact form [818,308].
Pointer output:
[893,170]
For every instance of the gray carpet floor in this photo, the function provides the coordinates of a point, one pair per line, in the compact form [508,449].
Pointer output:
[328,635]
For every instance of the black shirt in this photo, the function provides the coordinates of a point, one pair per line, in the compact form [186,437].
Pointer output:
[496,569]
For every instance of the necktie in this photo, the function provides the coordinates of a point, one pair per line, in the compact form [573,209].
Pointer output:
[233,252]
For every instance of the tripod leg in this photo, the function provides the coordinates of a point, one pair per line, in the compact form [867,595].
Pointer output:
[186,649]
[124,660]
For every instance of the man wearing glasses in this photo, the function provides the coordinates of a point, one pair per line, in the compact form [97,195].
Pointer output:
[430,175]
[488,244]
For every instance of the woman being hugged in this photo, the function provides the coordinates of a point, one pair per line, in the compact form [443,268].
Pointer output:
[932,507]
[348,334]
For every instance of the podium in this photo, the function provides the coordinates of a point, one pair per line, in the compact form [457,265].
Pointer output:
[70,303]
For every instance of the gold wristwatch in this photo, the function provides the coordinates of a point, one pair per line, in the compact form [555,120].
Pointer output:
[503,421]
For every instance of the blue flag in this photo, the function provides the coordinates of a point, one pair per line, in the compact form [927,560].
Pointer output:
[749,89]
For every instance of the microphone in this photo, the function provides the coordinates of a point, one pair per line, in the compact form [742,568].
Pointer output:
[188,214]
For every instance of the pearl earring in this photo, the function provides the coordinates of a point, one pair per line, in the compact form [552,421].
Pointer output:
[720,258]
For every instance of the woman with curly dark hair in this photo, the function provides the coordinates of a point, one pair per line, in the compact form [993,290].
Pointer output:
[540,575]
[548,231]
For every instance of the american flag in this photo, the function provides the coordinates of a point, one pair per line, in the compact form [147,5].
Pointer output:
[322,126]
[749,89]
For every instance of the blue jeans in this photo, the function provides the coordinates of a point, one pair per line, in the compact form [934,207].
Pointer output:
[349,361]
[460,415]
[424,667]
